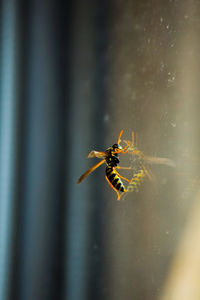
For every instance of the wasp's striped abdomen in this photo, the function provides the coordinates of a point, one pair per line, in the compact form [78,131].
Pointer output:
[136,181]
[114,179]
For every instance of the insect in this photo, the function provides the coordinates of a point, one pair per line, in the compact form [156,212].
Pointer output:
[136,180]
[138,166]
[132,149]
[110,157]
[139,162]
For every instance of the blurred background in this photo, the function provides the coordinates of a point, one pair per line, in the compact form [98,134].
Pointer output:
[72,75]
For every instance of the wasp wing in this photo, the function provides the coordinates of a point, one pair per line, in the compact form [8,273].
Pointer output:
[90,171]
[98,154]
[132,149]
[159,161]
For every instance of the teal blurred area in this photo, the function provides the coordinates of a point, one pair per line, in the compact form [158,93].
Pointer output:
[72,75]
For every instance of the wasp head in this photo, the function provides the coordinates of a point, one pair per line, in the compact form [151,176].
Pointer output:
[116,148]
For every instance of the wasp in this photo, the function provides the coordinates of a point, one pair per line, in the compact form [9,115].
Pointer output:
[139,163]
[110,157]
[132,149]
[136,180]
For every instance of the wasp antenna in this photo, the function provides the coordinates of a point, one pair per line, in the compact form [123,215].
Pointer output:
[119,138]
[136,139]
[133,139]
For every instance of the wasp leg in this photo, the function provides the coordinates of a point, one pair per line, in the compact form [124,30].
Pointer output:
[125,149]
[124,168]
[118,195]
[132,144]
[121,175]
[123,196]
[148,173]
[131,149]
[135,139]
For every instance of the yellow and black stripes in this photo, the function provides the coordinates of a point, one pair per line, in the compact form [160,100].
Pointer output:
[114,179]
[136,180]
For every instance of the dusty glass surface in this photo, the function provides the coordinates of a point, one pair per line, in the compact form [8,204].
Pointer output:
[73,75]
[152,88]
